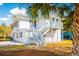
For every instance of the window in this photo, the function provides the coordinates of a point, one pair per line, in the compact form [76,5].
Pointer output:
[34,23]
[13,35]
[16,35]
[57,20]
[27,34]
[20,34]
[30,21]
[53,19]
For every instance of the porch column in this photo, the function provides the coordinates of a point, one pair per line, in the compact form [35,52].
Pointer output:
[59,35]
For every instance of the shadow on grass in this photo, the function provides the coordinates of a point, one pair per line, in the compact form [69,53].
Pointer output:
[30,52]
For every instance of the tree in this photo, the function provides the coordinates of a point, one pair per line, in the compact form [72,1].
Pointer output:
[3,31]
[46,8]
[42,8]
[67,22]
[76,31]
[65,13]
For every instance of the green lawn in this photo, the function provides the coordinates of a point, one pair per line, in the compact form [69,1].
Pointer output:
[6,39]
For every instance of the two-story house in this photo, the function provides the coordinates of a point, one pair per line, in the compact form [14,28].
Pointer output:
[45,31]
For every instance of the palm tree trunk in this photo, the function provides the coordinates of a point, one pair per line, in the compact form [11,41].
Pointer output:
[3,32]
[4,36]
[75,25]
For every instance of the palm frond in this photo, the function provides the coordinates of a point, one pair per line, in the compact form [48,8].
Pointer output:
[44,9]
[33,10]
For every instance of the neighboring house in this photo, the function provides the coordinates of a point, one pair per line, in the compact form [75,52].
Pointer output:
[46,30]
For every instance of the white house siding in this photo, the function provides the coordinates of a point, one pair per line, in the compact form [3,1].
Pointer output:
[24,24]
[40,23]
[26,36]
[53,36]
[59,35]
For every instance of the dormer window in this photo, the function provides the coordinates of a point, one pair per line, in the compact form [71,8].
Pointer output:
[30,21]
[53,19]
[57,20]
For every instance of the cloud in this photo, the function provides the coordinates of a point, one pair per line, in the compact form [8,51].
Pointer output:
[16,11]
[8,23]
[9,16]
[4,19]
[8,19]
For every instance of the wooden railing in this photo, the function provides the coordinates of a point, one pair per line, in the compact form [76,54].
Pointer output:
[38,35]
[43,30]
[57,25]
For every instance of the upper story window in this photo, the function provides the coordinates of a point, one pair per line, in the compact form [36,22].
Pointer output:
[53,19]
[30,21]
[17,35]
[20,34]
[57,20]
[35,23]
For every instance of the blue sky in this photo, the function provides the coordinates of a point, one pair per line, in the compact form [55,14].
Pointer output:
[5,11]
[6,8]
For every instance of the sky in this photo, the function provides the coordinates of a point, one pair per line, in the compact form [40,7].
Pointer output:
[7,9]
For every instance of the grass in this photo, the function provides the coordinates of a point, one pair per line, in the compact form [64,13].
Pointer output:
[59,48]
[6,39]
[64,43]
[13,47]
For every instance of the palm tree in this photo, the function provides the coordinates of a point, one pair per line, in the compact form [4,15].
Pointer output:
[67,22]
[76,30]
[46,8]
[36,8]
